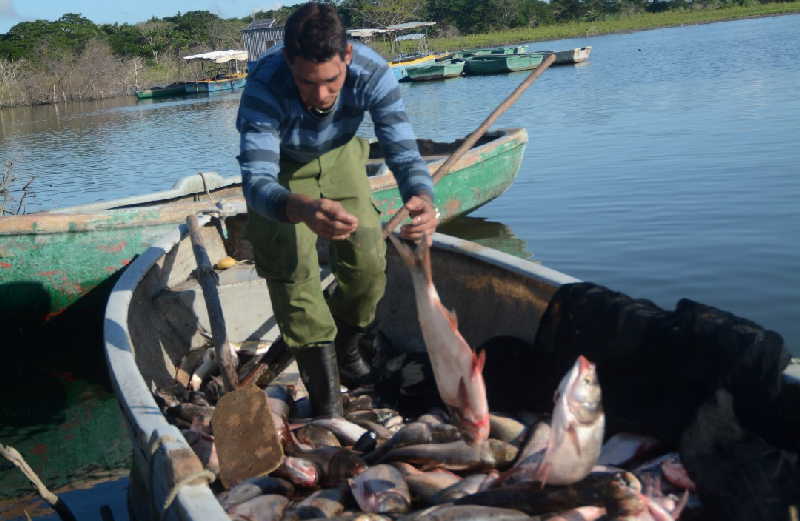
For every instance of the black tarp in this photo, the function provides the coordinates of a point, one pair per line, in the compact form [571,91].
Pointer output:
[702,380]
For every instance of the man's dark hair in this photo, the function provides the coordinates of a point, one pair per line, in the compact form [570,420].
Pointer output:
[315,33]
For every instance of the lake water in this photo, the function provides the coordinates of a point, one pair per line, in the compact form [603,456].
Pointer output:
[667,166]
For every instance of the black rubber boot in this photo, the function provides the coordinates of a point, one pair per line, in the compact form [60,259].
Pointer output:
[353,368]
[320,374]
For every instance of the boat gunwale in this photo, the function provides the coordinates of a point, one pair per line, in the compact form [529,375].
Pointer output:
[149,430]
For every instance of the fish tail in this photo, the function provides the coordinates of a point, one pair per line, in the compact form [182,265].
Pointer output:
[424,259]
[416,261]
[404,251]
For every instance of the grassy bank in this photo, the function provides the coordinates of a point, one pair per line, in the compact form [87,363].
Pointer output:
[617,24]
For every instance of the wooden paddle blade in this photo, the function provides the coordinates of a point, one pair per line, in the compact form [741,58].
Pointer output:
[245,436]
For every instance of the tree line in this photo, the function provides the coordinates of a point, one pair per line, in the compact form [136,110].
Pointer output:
[72,58]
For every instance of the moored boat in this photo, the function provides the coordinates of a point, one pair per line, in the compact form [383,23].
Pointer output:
[48,260]
[501,63]
[224,83]
[223,71]
[401,64]
[173,89]
[570,56]
[505,49]
[532,321]
[437,70]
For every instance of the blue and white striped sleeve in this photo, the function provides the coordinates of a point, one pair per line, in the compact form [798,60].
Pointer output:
[258,122]
[396,136]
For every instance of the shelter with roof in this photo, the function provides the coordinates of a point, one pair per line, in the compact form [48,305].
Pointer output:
[261,36]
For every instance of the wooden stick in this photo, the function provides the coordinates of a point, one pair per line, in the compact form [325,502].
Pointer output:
[475,136]
[12,455]
[208,282]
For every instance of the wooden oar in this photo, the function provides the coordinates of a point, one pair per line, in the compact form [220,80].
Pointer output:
[245,438]
[475,136]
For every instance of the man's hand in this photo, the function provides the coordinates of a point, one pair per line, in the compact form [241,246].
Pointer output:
[326,218]
[423,219]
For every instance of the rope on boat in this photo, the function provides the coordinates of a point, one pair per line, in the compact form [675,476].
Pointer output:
[205,187]
[209,477]
[205,474]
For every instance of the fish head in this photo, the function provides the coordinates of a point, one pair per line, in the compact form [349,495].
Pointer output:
[303,472]
[623,497]
[391,501]
[474,427]
[346,464]
[583,394]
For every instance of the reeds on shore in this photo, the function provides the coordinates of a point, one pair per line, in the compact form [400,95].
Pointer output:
[97,73]
[613,24]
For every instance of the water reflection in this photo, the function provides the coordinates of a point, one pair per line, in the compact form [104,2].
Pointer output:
[488,233]
[665,166]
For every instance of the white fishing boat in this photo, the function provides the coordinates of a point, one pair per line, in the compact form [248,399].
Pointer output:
[531,319]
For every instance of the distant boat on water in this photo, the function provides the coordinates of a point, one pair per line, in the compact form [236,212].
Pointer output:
[570,56]
[173,89]
[230,79]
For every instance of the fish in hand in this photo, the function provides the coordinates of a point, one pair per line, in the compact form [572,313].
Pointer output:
[458,371]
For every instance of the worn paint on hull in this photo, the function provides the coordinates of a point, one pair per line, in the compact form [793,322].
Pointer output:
[49,260]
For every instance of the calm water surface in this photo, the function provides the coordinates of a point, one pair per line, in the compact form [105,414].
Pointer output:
[665,167]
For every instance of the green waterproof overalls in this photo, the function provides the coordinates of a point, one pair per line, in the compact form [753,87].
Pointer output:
[286,254]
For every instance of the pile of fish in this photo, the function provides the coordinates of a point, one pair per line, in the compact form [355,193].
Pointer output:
[373,464]
[453,462]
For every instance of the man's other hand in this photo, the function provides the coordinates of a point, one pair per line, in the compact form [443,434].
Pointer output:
[324,217]
[423,219]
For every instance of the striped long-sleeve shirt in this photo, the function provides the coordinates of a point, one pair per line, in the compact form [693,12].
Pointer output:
[273,121]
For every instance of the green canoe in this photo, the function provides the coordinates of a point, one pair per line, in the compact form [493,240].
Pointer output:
[174,89]
[500,63]
[508,49]
[436,71]
[49,260]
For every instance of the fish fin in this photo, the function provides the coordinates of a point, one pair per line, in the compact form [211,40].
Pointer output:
[542,472]
[463,396]
[451,316]
[424,259]
[404,251]
[478,362]
[573,437]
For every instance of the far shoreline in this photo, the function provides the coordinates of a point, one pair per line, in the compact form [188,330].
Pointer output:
[621,25]
[569,30]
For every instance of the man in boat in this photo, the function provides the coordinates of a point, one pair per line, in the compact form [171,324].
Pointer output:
[303,176]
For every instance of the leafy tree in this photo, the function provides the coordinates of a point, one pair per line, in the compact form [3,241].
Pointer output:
[568,10]
[125,40]
[157,36]
[537,12]
[23,38]
[390,12]
[193,28]
[467,15]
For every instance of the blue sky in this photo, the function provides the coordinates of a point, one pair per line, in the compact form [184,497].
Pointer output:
[109,11]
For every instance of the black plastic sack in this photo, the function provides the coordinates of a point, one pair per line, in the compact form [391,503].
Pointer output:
[702,380]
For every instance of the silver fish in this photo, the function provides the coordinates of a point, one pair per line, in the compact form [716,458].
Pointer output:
[471,484]
[457,455]
[381,489]
[576,430]
[427,485]
[254,487]
[449,512]
[262,508]
[457,370]
[324,503]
